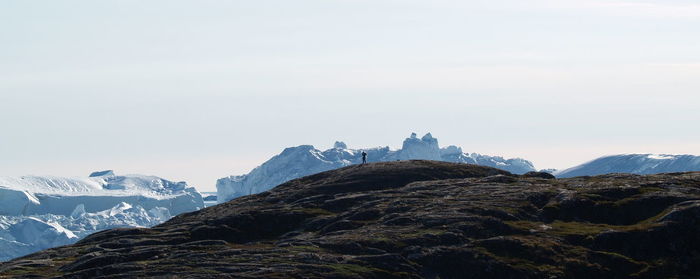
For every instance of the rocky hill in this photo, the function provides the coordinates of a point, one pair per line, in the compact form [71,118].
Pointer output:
[411,219]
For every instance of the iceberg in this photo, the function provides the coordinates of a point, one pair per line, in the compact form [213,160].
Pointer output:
[41,212]
[295,162]
[22,235]
[32,195]
[35,232]
[635,164]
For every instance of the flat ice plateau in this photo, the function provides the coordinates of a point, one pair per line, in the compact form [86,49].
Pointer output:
[40,212]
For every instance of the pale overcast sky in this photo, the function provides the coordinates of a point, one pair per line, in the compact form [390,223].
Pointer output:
[198,90]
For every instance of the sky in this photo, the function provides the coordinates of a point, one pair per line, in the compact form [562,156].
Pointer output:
[199,90]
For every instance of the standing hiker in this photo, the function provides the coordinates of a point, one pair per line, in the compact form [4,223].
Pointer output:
[364,157]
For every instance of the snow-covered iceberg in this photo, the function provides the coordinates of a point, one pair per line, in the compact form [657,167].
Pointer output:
[634,163]
[31,195]
[22,235]
[40,212]
[295,162]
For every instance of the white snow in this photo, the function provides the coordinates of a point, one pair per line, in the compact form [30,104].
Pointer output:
[29,234]
[660,157]
[451,150]
[295,162]
[425,148]
[340,145]
[21,235]
[78,211]
[40,212]
[209,198]
[634,163]
[30,195]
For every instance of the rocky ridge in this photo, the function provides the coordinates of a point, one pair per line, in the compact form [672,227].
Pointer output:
[411,219]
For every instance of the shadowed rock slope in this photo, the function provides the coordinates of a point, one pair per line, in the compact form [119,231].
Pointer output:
[411,219]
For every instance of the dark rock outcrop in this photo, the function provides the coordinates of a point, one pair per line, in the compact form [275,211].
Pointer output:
[540,174]
[411,219]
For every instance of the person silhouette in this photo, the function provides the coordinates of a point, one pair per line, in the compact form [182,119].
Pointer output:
[364,157]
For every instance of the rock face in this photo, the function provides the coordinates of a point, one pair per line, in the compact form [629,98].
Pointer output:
[636,164]
[411,219]
[306,160]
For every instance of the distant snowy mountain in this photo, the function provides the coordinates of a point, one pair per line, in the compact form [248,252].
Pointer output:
[40,212]
[634,163]
[295,162]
